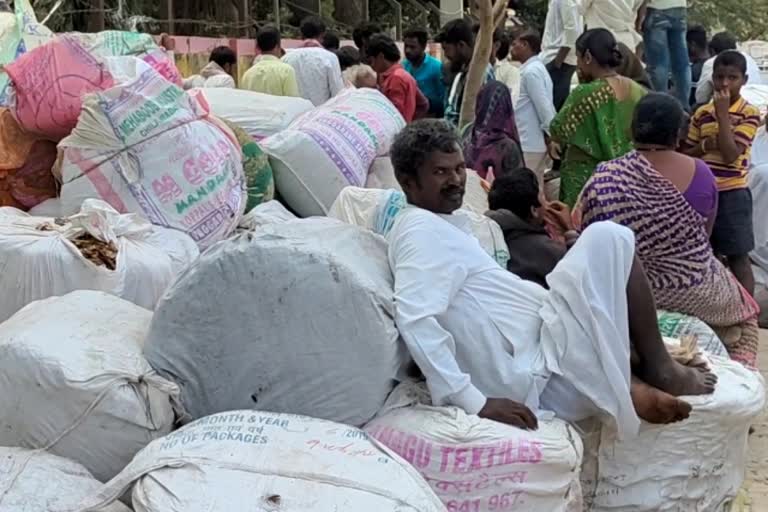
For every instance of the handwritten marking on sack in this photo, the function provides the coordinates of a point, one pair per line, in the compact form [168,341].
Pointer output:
[453,459]
[477,483]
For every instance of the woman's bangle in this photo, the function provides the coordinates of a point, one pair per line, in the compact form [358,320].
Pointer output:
[704,146]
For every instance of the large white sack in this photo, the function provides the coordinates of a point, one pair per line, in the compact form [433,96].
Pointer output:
[253,461]
[480,465]
[73,381]
[331,147]
[757,95]
[696,465]
[295,318]
[271,212]
[376,210]
[36,481]
[145,146]
[40,260]
[260,115]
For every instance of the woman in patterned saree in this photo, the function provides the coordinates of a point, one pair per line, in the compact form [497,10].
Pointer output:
[594,123]
[669,200]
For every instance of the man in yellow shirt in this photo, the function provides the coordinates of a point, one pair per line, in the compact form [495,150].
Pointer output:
[270,75]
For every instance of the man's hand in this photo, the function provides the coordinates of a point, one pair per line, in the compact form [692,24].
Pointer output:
[722,101]
[554,151]
[558,215]
[509,412]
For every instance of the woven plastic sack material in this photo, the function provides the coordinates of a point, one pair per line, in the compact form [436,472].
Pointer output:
[376,210]
[73,381]
[253,461]
[36,481]
[97,249]
[696,465]
[19,33]
[756,95]
[263,321]
[51,81]
[331,147]
[147,147]
[271,212]
[260,115]
[480,465]
[677,325]
[258,173]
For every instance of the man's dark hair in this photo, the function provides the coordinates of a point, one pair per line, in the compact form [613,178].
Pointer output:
[383,44]
[532,39]
[731,58]
[697,35]
[455,32]
[312,27]
[657,120]
[268,38]
[223,55]
[414,144]
[503,40]
[419,34]
[348,56]
[722,42]
[364,31]
[331,41]
[517,192]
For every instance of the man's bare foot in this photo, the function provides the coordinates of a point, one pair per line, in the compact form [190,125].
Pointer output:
[656,406]
[679,380]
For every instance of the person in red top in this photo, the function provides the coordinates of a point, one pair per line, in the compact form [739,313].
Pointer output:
[394,81]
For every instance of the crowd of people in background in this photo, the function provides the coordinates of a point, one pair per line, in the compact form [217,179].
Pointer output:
[653,135]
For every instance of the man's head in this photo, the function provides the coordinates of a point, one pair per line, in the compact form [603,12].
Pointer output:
[331,41]
[518,192]
[526,45]
[312,27]
[225,57]
[362,33]
[348,57]
[382,52]
[415,43]
[501,44]
[458,41]
[268,40]
[722,42]
[429,165]
[730,73]
[698,48]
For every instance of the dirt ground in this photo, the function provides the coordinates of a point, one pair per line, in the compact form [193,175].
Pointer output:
[755,496]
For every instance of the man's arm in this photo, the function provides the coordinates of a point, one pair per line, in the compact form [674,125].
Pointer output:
[706,87]
[291,85]
[335,79]
[572,29]
[541,97]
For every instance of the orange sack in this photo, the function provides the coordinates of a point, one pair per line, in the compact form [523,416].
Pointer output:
[25,166]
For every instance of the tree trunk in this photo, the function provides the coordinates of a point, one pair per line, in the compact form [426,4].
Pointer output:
[349,12]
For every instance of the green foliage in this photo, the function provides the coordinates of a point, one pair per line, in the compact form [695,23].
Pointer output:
[746,19]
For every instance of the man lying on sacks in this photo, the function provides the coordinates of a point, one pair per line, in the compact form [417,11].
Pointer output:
[504,348]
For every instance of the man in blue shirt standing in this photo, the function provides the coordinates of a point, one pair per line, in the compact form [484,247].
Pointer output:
[426,69]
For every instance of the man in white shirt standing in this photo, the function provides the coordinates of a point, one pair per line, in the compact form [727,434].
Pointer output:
[563,27]
[621,17]
[720,43]
[501,347]
[534,109]
[318,73]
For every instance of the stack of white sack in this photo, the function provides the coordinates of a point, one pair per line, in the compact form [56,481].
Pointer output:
[36,481]
[758,184]
[73,381]
[480,465]
[677,326]
[253,461]
[260,115]
[147,147]
[377,209]
[96,249]
[382,175]
[293,318]
[271,212]
[695,465]
[331,147]
[757,95]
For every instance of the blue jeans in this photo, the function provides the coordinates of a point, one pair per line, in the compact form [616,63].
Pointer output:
[666,51]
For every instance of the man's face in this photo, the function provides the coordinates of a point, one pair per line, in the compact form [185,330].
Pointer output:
[414,52]
[378,63]
[456,54]
[519,50]
[729,78]
[440,184]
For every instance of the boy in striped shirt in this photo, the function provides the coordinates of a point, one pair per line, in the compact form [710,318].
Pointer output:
[721,134]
